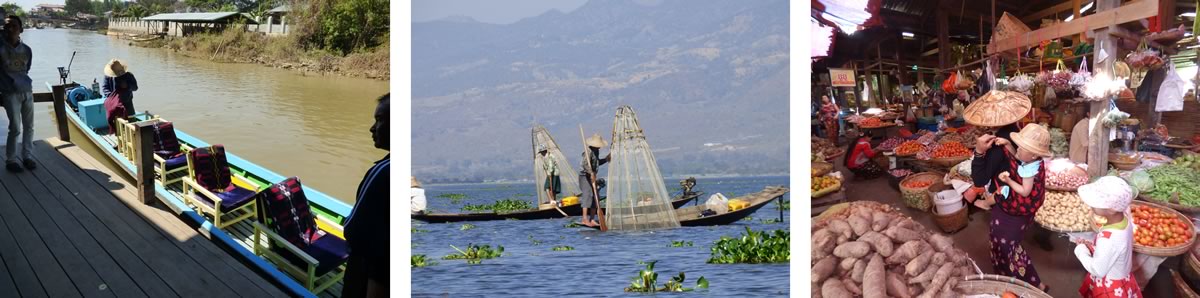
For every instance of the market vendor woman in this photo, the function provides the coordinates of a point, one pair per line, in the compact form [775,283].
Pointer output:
[992,160]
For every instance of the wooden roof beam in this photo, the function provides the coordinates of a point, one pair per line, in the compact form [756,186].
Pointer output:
[1057,8]
[1134,11]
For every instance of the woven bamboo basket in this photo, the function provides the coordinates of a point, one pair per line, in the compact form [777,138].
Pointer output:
[1124,166]
[1191,267]
[951,223]
[949,161]
[997,285]
[1173,203]
[1164,251]
[827,190]
[1182,289]
[918,198]
[821,168]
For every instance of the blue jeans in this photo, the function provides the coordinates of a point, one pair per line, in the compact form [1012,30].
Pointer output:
[19,108]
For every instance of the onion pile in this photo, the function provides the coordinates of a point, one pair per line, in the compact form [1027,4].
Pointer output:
[1065,180]
[890,144]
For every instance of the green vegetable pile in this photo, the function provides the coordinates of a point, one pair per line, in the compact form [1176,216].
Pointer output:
[475,254]
[1176,178]
[647,282]
[501,206]
[753,248]
[1190,161]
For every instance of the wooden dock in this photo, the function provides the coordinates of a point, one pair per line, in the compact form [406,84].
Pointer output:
[73,228]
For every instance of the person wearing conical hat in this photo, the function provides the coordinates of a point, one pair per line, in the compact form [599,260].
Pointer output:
[118,80]
[587,177]
[1021,194]
[553,184]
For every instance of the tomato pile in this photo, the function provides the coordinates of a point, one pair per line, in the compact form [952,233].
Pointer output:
[951,149]
[871,122]
[917,183]
[1159,228]
[823,182]
[909,148]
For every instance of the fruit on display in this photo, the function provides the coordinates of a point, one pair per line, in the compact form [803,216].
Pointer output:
[951,149]
[909,148]
[1065,211]
[823,183]
[918,183]
[1159,228]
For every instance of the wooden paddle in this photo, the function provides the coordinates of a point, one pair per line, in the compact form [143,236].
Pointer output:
[587,163]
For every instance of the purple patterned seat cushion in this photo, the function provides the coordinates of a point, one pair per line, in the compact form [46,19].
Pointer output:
[175,162]
[210,168]
[164,137]
[287,213]
[232,197]
[330,252]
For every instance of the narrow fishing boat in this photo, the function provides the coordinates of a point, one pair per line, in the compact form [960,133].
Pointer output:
[543,212]
[696,216]
[244,216]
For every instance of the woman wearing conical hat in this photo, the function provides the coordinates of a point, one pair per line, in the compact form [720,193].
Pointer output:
[118,79]
[591,164]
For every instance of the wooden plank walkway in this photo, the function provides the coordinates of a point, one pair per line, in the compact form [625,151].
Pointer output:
[73,228]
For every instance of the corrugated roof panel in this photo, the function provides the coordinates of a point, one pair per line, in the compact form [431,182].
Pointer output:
[195,17]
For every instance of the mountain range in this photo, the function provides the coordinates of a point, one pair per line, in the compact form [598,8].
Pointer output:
[708,80]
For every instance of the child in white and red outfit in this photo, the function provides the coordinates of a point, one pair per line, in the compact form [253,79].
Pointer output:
[1109,260]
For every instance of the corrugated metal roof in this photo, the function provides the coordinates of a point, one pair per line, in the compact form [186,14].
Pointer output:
[282,8]
[198,17]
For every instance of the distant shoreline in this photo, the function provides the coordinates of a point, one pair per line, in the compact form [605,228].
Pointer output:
[664,178]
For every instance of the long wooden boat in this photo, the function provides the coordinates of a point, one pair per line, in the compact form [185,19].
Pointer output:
[544,212]
[238,238]
[691,216]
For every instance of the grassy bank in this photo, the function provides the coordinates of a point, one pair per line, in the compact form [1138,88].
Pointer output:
[237,46]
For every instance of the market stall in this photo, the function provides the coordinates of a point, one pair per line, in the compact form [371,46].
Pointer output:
[1109,81]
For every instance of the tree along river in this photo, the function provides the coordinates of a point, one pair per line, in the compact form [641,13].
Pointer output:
[602,264]
[311,126]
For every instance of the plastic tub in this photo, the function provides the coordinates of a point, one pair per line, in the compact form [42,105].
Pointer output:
[947,202]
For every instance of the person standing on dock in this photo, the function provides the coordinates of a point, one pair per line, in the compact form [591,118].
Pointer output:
[367,225]
[119,85]
[591,167]
[18,98]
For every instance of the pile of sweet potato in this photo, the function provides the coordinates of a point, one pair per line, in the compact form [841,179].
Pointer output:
[869,250]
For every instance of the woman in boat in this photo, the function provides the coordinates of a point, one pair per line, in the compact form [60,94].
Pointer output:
[591,164]
[553,185]
[120,82]
[858,158]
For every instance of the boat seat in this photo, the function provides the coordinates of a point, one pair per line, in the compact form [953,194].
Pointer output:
[231,198]
[210,189]
[297,244]
[172,162]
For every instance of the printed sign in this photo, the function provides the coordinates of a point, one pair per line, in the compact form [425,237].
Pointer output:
[841,77]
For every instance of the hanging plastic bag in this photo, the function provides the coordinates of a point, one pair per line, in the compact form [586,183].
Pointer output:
[963,81]
[1021,82]
[1171,93]
[1082,76]
[948,85]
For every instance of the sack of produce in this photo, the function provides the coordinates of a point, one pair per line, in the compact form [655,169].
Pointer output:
[717,202]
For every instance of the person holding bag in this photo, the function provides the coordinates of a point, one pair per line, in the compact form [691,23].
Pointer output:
[119,85]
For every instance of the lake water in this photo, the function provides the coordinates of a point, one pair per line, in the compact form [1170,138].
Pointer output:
[601,265]
[311,126]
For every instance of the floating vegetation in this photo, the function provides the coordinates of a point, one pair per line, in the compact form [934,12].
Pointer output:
[455,198]
[465,227]
[647,281]
[783,205]
[534,241]
[753,248]
[562,248]
[748,218]
[574,225]
[772,221]
[416,230]
[500,206]
[475,254]
[681,244]
[419,261]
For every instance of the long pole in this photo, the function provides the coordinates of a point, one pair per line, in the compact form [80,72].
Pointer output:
[587,163]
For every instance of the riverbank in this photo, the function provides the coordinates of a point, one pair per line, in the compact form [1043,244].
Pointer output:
[234,46]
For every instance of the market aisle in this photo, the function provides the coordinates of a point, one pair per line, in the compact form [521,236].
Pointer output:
[1059,268]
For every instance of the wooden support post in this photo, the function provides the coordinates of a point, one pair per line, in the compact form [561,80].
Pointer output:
[1097,158]
[60,111]
[943,31]
[145,161]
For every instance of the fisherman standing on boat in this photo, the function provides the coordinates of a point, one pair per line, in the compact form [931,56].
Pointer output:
[367,226]
[553,185]
[16,58]
[591,166]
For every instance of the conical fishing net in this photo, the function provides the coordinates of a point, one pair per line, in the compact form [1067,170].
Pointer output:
[569,185]
[637,195]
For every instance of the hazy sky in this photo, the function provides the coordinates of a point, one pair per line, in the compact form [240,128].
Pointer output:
[488,11]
